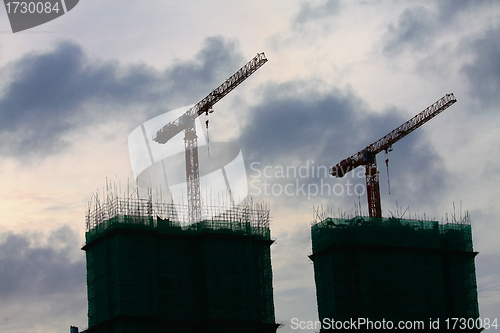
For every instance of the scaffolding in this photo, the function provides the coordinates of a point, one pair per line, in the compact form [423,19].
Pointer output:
[394,269]
[114,211]
[150,271]
[100,211]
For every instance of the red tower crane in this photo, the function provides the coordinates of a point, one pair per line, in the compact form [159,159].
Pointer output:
[367,158]
[186,123]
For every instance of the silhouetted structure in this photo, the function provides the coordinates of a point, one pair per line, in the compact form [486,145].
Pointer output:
[148,273]
[394,270]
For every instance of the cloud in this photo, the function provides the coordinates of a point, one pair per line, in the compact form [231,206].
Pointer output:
[289,121]
[299,127]
[413,30]
[483,71]
[27,268]
[311,13]
[49,94]
[419,28]
[449,9]
[42,280]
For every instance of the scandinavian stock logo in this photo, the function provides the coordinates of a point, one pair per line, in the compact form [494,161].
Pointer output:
[25,15]
[221,165]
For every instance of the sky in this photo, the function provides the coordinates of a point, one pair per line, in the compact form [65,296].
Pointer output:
[340,75]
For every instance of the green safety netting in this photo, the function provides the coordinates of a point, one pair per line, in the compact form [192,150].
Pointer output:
[394,269]
[152,275]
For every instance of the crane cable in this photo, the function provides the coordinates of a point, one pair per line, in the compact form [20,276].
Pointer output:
[387,165]
[208,138]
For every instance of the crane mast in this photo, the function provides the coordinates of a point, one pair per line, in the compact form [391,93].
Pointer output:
[367,157]
[186,123]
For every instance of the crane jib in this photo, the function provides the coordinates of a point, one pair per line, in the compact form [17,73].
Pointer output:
[367,155]
[175,127]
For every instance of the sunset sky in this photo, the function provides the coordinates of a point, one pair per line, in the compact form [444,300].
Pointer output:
[340,75]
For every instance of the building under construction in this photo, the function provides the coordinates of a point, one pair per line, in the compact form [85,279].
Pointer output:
[395,270]
[413,272]
[149,272]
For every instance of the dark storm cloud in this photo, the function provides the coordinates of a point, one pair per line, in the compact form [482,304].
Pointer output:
[418,178]
[412,30]
[483,71]
[289,122]
[448,9]
[47,92]
[310,13]
[417,27]
[28,269]
[290,126]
